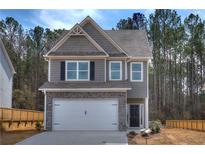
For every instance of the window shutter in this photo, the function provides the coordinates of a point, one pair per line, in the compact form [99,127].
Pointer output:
[92,70]
[62,73]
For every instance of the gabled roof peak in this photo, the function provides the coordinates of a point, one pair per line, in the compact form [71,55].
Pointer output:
[76,30]
[7,56]
[90,20]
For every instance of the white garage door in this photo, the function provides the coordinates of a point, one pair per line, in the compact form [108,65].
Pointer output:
[86,114]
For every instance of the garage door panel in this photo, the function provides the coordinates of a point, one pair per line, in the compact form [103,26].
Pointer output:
[87,114]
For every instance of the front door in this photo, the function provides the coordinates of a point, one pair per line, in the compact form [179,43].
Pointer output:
[134,117]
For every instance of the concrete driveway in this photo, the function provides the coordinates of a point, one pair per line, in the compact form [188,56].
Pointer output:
[76,138]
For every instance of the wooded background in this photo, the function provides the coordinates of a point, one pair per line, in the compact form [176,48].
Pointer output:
[176,71]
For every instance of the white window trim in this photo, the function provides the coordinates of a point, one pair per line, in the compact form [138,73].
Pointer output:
[110,62]
[141,71]
[77,61]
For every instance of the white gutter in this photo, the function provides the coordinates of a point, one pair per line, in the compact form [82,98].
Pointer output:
[49,70]
[84,89]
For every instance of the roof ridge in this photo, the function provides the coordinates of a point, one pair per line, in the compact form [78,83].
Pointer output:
[121,30]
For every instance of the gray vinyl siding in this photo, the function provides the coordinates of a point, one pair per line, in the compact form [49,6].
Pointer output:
[6,79]
[99,70]
[139,89]
[77,45]
[55,70]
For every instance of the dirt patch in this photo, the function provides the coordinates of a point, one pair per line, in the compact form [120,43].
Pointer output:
[9,138]
[171,136]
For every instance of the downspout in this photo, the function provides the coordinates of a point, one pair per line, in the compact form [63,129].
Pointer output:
[147,100]
[49,70]
[45,99]
[105,73]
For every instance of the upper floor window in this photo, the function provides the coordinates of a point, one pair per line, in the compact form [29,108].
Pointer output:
[136,71]
[77,70]
[115,72]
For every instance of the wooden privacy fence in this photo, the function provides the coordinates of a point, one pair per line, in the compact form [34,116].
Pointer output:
[186,124]
[11,115]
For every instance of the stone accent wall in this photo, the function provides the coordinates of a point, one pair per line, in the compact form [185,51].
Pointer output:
[122,96]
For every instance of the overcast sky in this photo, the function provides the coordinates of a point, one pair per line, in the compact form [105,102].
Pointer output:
[55,19]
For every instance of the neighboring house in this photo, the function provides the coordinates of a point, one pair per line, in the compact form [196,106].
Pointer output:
[97,79]
[6,78]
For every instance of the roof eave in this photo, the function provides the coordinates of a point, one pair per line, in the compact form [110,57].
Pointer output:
[140,58]
[68,57]
[83,89]
[8,59]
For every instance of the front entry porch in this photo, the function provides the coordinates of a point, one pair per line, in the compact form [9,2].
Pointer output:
[136,117]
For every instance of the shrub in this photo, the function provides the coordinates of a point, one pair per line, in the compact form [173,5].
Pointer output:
[38,126]
[155,126]
[133,133]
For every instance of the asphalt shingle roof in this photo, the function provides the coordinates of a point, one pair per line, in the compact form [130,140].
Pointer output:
[103,41]
[67,85]
[133,42]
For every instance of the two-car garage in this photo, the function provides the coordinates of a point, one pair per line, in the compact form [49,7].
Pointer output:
[85,114]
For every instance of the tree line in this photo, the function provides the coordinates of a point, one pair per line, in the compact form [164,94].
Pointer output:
[26,49]
[176,73]
[177,68]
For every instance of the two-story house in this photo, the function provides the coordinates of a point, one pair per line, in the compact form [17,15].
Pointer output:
[6,78]
[97,79]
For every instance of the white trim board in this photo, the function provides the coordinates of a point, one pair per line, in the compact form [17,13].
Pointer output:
[84,89]
[126,76]
[100,57]
[49,70]
[73,57]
